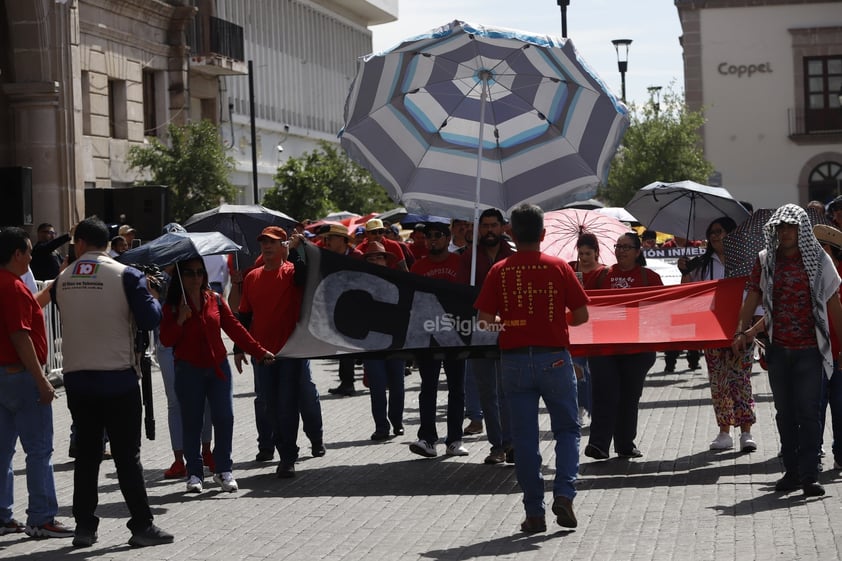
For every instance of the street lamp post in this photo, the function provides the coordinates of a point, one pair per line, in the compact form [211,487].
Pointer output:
[655,97]
[563,5]
[622,62]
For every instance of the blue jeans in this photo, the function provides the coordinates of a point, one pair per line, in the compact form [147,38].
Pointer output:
[167,365]
[528,376]
[832,396]
[454,371]
[617,384]
[473,409]
[383,374]
[495,406]
[287,390]
[197,388]
[795,376]
[21,416]
[262,420]
[583,386]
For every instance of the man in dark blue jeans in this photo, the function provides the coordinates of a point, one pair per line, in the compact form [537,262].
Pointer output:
[798,285]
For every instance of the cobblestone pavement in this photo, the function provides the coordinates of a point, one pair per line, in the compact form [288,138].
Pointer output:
[370,501]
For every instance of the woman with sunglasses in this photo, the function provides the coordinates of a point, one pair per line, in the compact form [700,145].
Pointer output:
[617,380]
[729,373]
[193,318]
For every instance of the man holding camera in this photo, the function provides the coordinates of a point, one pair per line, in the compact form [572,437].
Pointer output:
[101,302]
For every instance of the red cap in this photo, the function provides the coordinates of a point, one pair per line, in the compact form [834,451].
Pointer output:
[273,232]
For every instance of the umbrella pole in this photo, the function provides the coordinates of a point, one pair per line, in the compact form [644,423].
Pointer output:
[484,76]
[181,283]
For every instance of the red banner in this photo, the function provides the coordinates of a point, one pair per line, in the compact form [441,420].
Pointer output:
[697,315]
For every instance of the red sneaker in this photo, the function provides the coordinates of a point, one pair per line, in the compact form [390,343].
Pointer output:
[177,470]
[207,459]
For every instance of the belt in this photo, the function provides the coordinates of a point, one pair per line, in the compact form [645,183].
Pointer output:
[13,368]
[527,350]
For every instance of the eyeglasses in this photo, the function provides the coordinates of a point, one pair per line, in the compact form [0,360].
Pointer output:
[377,231]
[434,235]
[193,272]
[717,232]
[49,232]
[623,247]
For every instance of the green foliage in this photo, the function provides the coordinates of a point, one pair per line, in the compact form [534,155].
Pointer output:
[658,146]
[323,181]
[194,167]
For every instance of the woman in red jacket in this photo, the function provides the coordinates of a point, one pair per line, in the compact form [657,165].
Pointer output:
[193,319]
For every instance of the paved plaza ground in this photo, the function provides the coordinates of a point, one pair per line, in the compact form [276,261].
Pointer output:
[372,501]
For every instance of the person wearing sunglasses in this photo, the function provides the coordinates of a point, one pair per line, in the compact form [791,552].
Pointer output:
[617,380]
[443,265]
[375,231]
[194,317]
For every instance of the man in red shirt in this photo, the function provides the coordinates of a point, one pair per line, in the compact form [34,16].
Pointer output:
[23,352]
[526,298]
[443,265]
[269,308]
[375,232]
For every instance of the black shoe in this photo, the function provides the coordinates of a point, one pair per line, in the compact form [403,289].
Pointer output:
[84,538]
[533,525]
[286,470]
[318,449]
[789,482]
[670,367]
[813,489]
[380,435]
[510,455]
[264,455]
[633,453]
[153,535]
[346,391]
[398,431]
[592,451]
[563,509]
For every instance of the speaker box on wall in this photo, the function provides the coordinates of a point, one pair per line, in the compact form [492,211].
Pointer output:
[145,208]
[16,192]
[100,202]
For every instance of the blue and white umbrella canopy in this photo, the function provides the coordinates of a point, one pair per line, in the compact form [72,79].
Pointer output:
[523,112]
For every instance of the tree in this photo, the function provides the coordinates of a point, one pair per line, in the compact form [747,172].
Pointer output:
[660,145]
[323,181]
[194,167]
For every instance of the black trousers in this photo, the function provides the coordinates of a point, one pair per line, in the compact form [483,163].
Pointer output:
[617,384]
[120,416]
[346,372]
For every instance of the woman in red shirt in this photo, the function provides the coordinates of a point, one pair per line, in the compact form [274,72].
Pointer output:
[617,380]
[192,322]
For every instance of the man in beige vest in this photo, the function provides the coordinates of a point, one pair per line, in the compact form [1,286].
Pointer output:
[101,301]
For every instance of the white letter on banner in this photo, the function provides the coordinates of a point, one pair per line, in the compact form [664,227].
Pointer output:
[425,308]
[327,294]
[656,319]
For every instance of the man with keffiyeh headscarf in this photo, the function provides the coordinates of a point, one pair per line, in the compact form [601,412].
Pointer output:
[798,286]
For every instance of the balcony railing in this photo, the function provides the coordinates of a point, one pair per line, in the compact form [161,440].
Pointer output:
[216,43]
[811,128]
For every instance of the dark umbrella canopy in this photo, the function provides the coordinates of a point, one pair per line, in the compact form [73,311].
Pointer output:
[179,246]
[241,223]
[743,244]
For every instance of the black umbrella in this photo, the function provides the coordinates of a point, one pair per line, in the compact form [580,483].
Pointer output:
[743,244]
[241,223]
[179,246]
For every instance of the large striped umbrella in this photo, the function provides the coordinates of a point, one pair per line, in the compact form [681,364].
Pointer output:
[467,117]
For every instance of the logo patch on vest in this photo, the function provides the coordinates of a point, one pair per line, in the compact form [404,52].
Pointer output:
[85,269]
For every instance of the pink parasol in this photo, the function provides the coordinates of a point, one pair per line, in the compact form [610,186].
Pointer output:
[564,226]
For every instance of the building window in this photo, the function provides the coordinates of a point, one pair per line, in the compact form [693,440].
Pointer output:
[822,86]
[86,102]
[825,181]
[118,123]
[150,117]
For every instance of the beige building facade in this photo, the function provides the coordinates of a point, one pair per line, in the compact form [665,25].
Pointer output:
[768,74]
[82,81]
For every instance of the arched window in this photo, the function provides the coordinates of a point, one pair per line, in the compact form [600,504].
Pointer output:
[825,181]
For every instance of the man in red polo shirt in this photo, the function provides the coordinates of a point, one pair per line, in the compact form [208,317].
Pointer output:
[526,298]
[443,265]
[269,308]
[23,352]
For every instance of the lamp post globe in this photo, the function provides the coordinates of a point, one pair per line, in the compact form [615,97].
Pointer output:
[622,48]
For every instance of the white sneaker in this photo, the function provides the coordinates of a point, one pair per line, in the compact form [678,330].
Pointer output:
[747,443]
[226,481]
[194,484]
[456,449]
[584,418]
[423,448]
[723,441]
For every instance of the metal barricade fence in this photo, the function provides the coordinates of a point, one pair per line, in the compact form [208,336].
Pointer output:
[51,319]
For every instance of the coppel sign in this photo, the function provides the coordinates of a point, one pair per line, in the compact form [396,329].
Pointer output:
[740,70]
